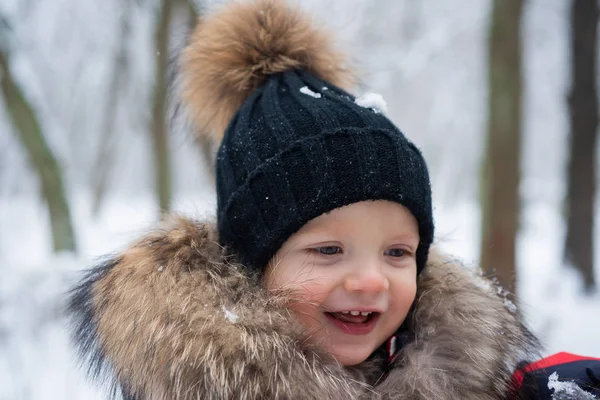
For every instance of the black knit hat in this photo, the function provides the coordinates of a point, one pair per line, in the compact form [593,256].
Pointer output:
[298,146]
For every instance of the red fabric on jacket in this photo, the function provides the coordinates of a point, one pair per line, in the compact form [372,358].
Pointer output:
[545,363]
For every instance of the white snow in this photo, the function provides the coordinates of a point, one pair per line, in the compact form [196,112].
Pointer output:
[307,91]
[374,101]
[230,315]
[567,389]
[510,306]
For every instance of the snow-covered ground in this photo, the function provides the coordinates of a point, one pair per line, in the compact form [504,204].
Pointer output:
[37,361]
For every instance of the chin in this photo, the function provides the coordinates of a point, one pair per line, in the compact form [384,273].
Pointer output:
[351,356]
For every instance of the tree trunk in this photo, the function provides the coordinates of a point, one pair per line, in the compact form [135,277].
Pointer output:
[40,155]
[104,163]
[501,172]
[583,110]
[159,111]
[207,146]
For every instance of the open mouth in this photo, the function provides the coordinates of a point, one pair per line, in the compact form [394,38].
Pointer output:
[354,322]
[353,317]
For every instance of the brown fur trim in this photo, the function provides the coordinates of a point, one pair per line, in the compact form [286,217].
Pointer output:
[467,341]
[174,318]
[232,52]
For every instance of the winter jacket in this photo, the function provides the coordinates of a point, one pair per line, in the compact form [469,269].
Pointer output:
[174,317]
[560,376]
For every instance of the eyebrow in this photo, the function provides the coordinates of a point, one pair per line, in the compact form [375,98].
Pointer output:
[407,236]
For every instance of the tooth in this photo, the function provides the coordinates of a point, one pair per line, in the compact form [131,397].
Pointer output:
[364,314]
[345,312]
[354,313]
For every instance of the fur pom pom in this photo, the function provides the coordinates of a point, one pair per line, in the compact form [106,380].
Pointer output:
[233,51]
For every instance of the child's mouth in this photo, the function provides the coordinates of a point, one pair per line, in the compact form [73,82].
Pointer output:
[353,319]
[353,324]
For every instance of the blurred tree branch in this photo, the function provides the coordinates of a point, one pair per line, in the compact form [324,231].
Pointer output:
[104,161]
[48,170]
[207,147]
[194,11]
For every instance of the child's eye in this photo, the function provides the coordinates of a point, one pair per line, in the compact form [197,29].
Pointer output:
[395,252]
[329,250]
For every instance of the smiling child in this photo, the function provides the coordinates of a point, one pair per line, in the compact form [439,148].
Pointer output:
[353,275]
[318,280]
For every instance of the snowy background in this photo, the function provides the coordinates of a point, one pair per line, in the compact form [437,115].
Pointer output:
[427,58]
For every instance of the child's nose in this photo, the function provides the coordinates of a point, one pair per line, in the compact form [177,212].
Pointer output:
[367,279]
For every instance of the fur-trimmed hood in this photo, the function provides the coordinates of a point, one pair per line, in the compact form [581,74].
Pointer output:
[173,317]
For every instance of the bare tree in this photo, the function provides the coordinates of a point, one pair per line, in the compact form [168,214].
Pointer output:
[159,110]
[104,160]
[40,155]
[583,110]
[207,146]
[194,12]
[501,172]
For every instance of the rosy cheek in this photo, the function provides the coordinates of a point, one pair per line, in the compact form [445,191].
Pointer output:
[277,278]
[306,312]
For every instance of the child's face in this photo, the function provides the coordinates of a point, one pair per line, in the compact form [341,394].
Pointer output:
[359,257]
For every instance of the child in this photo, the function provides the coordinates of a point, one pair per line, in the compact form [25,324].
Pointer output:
[318,280]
